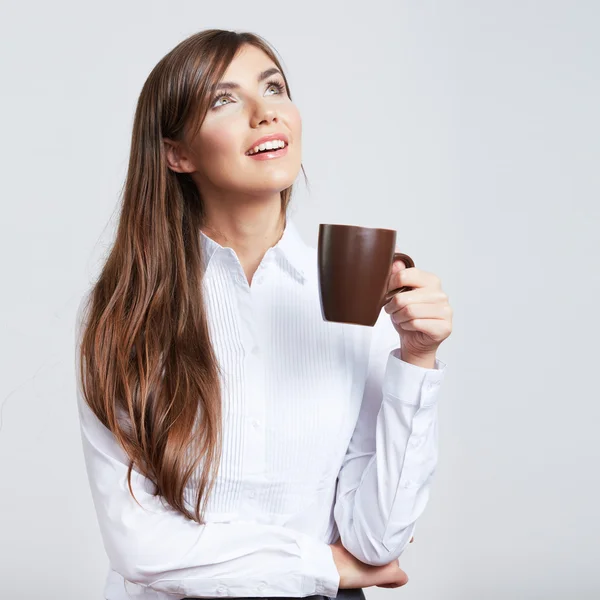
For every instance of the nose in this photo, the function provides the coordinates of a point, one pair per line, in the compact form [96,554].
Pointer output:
[263,114]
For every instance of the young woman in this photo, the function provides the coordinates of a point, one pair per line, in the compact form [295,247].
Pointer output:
[237,444]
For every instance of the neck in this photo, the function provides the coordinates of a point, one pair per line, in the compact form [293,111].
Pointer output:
[249,229]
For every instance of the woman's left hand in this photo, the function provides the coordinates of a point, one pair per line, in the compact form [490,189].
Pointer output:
[394,585]
[422,316]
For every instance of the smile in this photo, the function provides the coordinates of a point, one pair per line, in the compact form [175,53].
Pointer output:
[267,153]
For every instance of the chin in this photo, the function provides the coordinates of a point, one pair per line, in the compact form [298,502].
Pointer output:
[273,182]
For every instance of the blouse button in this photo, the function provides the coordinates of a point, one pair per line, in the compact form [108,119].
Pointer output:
[221,590]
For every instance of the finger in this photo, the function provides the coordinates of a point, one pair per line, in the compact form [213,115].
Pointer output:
[398,265]
[394,584]
[412,277]
[401,578]
[436,329]
[401,299]
[393,576]
[421,311]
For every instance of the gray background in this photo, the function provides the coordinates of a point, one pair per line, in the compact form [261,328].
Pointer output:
[470,127]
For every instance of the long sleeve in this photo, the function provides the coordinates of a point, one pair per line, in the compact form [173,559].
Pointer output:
[385,478]
[155,546]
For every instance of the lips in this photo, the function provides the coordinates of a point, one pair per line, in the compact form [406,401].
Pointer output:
[269,154]
[269,138]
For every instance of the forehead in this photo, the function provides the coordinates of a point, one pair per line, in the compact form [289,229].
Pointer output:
[247,63]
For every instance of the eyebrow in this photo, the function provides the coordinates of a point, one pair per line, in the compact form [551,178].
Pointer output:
[230,85]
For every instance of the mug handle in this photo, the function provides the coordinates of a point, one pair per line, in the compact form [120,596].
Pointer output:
[409,262]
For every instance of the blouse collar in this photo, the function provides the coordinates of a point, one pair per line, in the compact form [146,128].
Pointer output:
[291,248]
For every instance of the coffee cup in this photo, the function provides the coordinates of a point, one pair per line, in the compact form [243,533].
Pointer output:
[354,268]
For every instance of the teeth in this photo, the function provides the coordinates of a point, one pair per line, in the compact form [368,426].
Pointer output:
[273,145]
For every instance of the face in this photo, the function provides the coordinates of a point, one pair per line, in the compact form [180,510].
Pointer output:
[217,158]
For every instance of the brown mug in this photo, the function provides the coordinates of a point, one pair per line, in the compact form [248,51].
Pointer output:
[354,267]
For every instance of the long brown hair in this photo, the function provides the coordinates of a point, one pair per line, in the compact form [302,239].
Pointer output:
[148,370]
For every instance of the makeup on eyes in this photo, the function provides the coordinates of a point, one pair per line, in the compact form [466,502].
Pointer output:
[273,82]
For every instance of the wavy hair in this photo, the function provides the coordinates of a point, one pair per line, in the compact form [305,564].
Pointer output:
[147,367]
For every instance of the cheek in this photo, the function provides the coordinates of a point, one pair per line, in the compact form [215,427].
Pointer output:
[218,145]
[294,123]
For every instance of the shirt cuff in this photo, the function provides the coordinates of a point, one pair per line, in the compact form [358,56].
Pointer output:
[412,384]
[319,563]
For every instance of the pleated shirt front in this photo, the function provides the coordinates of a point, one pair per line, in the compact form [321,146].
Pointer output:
[326,433]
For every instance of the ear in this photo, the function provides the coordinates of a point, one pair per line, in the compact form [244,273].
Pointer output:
[176,157]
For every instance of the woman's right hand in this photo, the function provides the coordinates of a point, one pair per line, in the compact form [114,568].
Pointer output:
[356,574]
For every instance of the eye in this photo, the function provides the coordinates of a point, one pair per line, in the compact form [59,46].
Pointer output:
[219,96]
[280,87]
[276,84]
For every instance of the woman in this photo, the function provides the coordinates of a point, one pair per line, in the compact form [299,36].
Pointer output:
[237,444]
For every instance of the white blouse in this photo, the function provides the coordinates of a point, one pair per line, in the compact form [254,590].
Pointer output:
[326,433]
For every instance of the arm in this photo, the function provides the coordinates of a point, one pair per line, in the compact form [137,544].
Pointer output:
[158,547]
[384,481]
